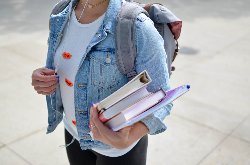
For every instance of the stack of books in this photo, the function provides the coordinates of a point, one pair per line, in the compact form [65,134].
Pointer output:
[132,102]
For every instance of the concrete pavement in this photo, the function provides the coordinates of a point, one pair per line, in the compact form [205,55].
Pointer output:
[208,126]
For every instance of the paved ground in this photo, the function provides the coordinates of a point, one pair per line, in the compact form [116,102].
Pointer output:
[210,125]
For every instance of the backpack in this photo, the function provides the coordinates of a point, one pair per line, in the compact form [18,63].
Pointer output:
[167,24]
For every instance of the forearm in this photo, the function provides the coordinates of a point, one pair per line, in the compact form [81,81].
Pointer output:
[138,131]
[154,122]
[151,56]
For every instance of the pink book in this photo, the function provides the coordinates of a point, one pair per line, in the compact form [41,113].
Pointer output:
[123,104]
[170,96]
[136,109]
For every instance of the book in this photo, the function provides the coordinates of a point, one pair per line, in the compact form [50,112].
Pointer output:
[133,85]
[170,96]
[123,104]
[136,109]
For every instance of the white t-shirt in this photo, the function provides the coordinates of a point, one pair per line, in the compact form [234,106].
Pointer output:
[76,38]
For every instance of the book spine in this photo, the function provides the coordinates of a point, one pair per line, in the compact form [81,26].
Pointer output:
[123,104]
[116,121]
[138,82]
[103,118]
[136,109]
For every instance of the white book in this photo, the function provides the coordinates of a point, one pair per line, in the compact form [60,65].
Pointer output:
[136,109]
[123,104]
[133,85]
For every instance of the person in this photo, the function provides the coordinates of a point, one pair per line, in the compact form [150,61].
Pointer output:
[81,70]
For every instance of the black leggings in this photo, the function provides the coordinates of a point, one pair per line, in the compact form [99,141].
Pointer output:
[76,156]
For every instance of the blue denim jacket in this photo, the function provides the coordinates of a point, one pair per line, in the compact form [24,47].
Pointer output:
[97,79]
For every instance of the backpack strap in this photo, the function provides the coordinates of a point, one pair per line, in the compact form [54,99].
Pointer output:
[125,38]
[60,6]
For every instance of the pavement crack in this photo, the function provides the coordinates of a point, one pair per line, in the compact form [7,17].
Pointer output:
[200,124]
[2,146]
[237,41]
[25,136]
[19,156]
[226,137]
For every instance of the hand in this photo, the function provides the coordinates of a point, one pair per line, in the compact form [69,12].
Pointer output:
[44,81]
[120,139]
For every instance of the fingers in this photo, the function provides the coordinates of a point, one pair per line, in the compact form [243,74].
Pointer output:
[47,71]
[43,78]
[44,81]
[97,122]
[115,139]
[46,90]
[44,75]
[37,83]
[98,136]
[96,133]
[93,128]
[46,93]
[103,130]
[43,84]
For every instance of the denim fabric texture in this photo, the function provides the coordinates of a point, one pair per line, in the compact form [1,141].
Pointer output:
[97,78]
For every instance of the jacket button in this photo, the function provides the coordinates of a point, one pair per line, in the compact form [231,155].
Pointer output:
[86,137]
[80,85]
[83,112]
[98,35]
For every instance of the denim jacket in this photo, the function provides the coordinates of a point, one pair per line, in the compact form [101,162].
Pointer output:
[97,79]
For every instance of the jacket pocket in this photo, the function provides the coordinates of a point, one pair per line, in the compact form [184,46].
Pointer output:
[105,76]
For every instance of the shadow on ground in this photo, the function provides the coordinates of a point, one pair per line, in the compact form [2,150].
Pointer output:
[25,16]
[32,15]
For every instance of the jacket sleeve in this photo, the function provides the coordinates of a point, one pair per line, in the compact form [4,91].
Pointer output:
[151,56]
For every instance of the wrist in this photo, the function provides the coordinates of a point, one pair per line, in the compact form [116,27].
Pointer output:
[143,129]
[138,130]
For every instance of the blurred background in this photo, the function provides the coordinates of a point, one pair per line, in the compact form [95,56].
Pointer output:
[208,126]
